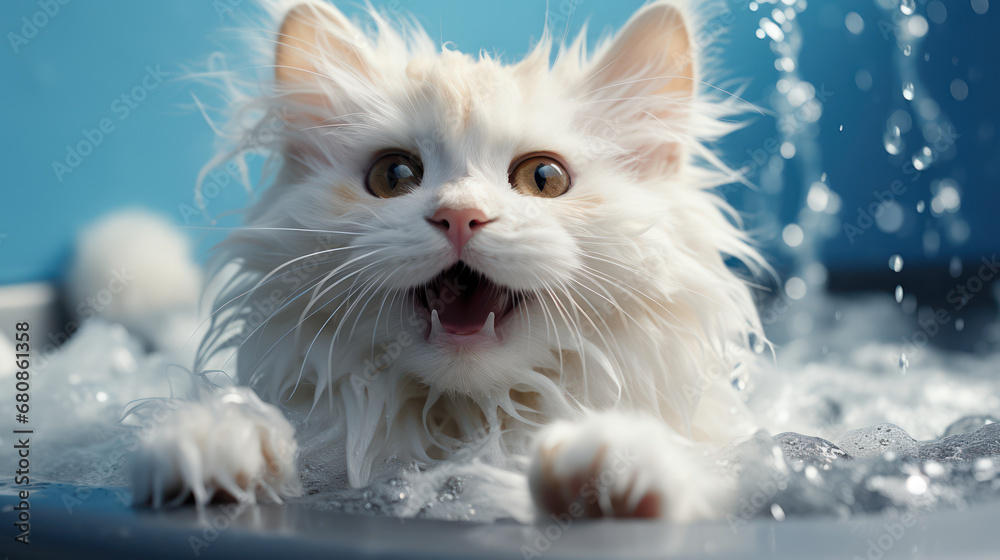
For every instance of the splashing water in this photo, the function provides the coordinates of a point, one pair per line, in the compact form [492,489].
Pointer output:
[847,370]
[917,115]
[896,263]
[860,346]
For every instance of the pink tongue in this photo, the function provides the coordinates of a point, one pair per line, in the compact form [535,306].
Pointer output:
[466,300]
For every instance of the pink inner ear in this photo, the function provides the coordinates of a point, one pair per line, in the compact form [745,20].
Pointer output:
[647,75]
[654,48]
[314,39]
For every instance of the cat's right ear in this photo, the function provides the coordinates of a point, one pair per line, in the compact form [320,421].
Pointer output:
[319,51]
[644,80]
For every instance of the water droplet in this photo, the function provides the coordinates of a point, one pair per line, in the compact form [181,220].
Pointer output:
[818,197]
[792,235]
[739,384]
[772,30]
[937,12]
[959,89]
[920,206]
[923,159]
[892,217]
[917,26]
[903,364]
[909,90]
[812,474]
[902,119]
[916,484]
[788,150]
[946,197]
[896,263]
[795,288]
[955,267]
[899,294]
[959,324]
[908,7]
[893,141]
[777,512]
[907,50]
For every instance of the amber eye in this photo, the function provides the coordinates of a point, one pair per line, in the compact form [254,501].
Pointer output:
[539,175]
[393,174]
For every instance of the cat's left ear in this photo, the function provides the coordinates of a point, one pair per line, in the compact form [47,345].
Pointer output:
[319,51]
[644,82]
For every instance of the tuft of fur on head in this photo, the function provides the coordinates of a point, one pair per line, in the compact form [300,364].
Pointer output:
[630,304]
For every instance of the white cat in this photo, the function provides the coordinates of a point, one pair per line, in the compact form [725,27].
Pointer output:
[516,261]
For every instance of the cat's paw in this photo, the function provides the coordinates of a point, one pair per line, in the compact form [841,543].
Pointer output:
[615,465]
[230,445]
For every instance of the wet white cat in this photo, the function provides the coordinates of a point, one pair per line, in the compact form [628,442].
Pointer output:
[522,263]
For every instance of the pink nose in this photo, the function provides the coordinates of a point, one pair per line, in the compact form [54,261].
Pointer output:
[458,225]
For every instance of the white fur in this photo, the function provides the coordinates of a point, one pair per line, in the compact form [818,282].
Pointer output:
[232,443]
[634,310]
[637,456]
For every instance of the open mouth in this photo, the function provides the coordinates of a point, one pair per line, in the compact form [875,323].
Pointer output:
[462,302]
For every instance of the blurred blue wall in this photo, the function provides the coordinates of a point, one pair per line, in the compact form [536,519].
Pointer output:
[65,76]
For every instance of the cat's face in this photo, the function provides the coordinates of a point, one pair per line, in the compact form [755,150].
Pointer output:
[495,214]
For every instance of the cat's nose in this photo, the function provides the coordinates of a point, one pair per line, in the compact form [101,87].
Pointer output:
[459,225]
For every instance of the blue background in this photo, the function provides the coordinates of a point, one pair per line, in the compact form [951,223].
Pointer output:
[66,78]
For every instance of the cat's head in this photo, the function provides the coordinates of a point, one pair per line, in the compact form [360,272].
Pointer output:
[503,218]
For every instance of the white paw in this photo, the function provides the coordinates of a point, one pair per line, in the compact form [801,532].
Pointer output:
[230,444]
[617,465]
